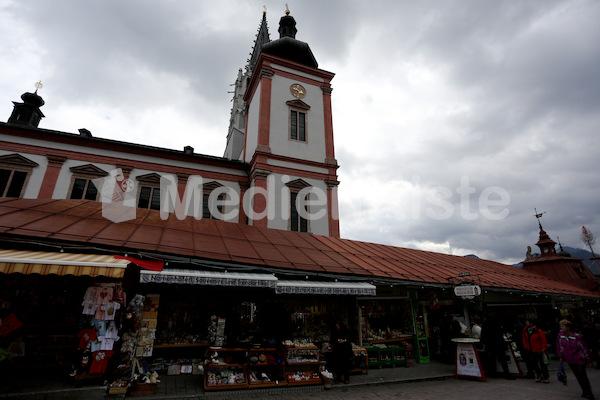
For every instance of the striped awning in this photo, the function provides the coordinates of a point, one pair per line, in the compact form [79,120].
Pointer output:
[54,263]
[311,287]
[208,278]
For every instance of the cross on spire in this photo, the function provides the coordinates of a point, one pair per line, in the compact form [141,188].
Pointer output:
[538,216]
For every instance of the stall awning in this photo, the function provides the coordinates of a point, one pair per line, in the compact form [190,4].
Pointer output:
[209,278]
[308,287]
[47,263]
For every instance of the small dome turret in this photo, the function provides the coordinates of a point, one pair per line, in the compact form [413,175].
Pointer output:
[28,112]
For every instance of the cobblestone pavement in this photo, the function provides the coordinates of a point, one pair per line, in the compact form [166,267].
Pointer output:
[446,389]
[440,388]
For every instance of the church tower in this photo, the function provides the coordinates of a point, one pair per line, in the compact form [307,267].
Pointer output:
[560,266]
[287,135]
[28,112]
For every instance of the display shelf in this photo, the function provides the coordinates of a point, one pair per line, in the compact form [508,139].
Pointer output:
[422,334]
[229,372]
[303,377]
[178,345]
[386,356]
[265,368]
[224,377]
[302,365]
[399,339]
[360,361]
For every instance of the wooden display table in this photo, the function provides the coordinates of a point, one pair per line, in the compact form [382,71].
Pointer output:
[302,365]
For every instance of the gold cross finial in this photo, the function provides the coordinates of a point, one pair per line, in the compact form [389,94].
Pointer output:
[287,9]
[265,9]
[38,85]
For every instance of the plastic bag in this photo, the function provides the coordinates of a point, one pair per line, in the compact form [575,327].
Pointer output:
[545,357]
[561,375]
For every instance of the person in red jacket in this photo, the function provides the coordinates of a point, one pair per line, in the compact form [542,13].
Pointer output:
[535,344]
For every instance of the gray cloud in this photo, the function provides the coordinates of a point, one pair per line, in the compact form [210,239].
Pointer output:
[504,93]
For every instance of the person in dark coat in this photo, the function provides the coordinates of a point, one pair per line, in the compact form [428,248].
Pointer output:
[495,347]
[342,352]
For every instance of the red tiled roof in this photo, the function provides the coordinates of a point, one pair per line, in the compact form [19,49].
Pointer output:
[81,221]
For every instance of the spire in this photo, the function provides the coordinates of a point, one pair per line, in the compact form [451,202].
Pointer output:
[546,245]
[28,112]
[287,25]
[262,37]
[538,216]
[287,46]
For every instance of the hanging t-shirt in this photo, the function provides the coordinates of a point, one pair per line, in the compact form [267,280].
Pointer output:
[107,343]
[112,331]
[85,337]
[89,308]
[100,361]
[96,345]
[90,295]
[100,326]
[99,314]
[104,295]
[110,310]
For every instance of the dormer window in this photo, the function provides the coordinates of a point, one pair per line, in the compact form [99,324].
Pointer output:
[82,186]
[149,191]
[14,174]
[206,206]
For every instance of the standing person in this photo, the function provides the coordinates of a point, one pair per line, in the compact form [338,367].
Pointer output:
[571,347]
[342,352]
[518,339]
[495,348]
[534,344]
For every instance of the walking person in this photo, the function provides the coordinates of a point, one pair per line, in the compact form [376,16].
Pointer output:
[571,347]
[535,344]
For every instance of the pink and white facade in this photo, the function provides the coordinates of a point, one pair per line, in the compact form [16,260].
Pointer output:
[266,166]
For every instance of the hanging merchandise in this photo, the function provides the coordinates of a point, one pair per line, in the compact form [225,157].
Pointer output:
[100,361]
[99,330]
[144,309]
[147,331]
[216,331]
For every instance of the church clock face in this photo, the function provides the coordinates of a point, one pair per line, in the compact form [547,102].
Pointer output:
[297,90]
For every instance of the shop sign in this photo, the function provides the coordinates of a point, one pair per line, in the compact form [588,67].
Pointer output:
[467,291]
[207,281]
[467,361]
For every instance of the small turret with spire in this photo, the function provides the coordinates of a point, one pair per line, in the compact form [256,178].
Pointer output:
[287,25]
[547,246]
[28,113]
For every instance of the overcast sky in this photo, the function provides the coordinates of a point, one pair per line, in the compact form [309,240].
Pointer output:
[452,119]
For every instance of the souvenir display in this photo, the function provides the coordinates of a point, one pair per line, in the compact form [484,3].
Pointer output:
[99,329]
